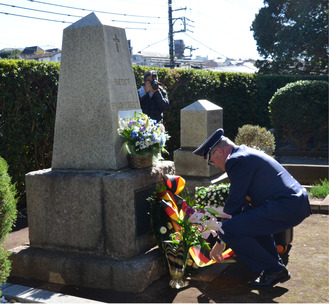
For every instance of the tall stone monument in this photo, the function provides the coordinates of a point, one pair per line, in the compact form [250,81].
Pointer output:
[88,221]
[96,82]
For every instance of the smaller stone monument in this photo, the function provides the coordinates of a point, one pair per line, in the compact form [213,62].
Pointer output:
[198,121]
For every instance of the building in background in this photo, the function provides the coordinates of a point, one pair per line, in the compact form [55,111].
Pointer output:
[38,54]
[154,59]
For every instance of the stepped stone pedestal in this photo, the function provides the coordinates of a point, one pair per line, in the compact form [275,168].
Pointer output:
[91,228]
[88,215]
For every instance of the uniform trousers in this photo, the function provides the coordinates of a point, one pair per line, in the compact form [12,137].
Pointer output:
[250,233]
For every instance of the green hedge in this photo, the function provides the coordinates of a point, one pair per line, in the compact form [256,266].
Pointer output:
[28,93]
[244,97]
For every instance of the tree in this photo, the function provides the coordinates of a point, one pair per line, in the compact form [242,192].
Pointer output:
[292,36]
[11,54]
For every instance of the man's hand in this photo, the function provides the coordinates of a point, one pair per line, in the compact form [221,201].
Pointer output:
[148,87]
[216,252]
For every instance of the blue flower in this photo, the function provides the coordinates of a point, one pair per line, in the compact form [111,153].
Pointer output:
[134,134]
[141,122]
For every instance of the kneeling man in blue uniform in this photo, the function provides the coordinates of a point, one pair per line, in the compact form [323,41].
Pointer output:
[278,202]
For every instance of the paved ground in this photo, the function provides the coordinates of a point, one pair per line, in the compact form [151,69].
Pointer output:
[308,264]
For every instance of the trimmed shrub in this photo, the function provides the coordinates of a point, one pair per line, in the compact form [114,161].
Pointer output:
[299,113]
[256,137]
[8,214]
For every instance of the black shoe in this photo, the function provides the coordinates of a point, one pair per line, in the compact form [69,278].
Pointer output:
[269,279]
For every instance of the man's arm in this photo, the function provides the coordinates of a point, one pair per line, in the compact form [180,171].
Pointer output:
[240,173]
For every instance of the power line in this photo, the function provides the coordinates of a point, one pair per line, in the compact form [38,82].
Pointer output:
[76,16]
[16,15]
[96,11]
[205,45]
[61,21]
[41,11]
[49,12]
[152,44]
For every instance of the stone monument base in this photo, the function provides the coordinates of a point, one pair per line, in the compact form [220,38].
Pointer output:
[78,269]
[91,228]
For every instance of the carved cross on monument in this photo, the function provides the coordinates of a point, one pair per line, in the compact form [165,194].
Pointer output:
[93,92]
[116,41]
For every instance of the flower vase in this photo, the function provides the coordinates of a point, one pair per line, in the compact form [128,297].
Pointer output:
[139,162]
[176,263]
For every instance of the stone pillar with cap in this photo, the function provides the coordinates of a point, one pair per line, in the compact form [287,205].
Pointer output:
[198,121]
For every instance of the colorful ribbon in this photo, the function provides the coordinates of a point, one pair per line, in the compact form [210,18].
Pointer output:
[175,207]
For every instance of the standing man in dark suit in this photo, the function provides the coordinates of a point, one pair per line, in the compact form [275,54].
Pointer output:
[152,96]
[278,202]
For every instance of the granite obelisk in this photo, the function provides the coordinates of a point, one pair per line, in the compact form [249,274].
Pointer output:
[96,81]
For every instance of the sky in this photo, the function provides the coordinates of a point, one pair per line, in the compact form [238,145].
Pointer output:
[214,28]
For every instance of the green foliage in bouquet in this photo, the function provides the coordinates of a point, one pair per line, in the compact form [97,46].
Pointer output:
[142,135]
[160,223]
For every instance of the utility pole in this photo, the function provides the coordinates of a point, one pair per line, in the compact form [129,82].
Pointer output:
[171,35]
[171,21]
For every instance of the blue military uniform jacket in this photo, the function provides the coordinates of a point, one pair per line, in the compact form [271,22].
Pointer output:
[254,174]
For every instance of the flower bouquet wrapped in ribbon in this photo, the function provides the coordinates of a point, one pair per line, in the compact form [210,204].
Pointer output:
[182,231]
[143,137]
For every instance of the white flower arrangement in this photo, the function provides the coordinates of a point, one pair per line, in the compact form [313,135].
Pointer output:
[212,196]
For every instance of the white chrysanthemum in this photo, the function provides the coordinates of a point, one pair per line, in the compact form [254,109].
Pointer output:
[163,230]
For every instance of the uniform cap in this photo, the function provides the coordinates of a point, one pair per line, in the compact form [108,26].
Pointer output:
[214,139]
